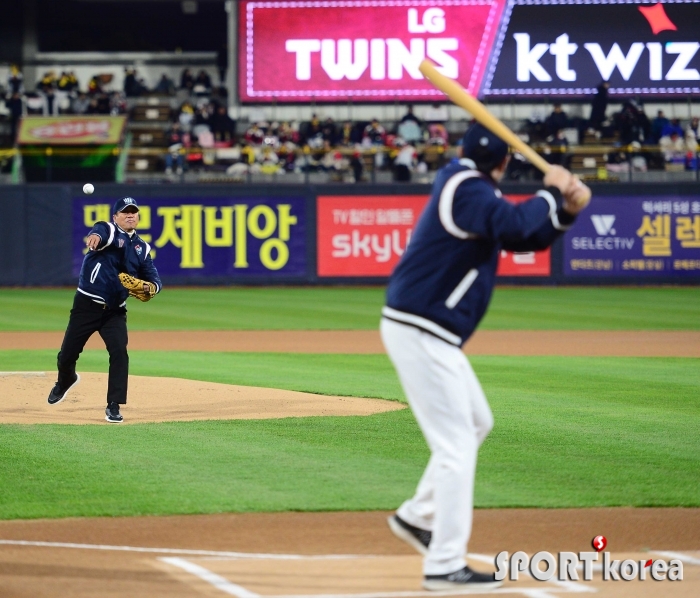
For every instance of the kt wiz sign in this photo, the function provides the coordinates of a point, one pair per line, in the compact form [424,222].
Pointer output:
[364,50]
[567,47]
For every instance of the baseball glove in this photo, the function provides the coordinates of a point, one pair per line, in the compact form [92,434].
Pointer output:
[141,289]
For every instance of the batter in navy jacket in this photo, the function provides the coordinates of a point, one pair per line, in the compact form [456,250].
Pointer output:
[436,297]
[100,302]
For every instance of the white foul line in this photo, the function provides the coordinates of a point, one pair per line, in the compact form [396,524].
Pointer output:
[187,551]
[220,583]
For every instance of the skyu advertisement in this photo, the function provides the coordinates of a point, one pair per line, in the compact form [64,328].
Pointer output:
[369,50]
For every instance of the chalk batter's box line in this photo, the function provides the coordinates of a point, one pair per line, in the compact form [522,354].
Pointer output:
[233,589]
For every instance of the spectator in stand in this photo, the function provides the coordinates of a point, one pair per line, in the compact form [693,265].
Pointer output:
[437,134]
[15,81]
[186,116]
[674,127]
[405,162]
[313,133]
[68,82]
[556,121]
[16,108]
[436,114]
[133,87]
[50,103]
[347,136]
[176,141]
[599,105]
[81,104]
[95,85]
[409,116]
[287,135]
[202,84]
[357,165]
[255,135]
[657,127]
[223,126]
[692,134]
[93,107]
[187,80]
[556,148]
[673,146]
[329,132]
[629,123]
[375,133]
[165,86]
[48,81]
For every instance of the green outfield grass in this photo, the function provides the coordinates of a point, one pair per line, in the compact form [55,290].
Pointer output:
[280,308]
[570,432]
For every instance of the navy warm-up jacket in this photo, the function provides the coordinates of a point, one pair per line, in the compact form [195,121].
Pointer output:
[117,252]
[444,280]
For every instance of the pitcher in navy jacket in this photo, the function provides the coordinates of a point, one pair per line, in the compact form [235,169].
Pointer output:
[100,302]
[436,297]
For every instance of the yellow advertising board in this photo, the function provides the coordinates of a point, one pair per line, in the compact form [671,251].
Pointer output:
[71,130]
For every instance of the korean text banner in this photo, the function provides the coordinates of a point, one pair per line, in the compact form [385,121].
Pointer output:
[237,237]
[361,49]
[568,47]
[366,236]
[71,130]
[635,236]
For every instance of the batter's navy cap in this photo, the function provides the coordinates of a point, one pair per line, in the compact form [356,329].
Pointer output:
[483,147]
[123,203]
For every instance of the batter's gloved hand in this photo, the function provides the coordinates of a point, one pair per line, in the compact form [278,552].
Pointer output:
[141,289]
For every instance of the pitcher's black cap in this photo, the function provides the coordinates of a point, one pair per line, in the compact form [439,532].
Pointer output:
[123,203]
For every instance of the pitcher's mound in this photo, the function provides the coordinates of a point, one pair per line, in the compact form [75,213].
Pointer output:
[166,399]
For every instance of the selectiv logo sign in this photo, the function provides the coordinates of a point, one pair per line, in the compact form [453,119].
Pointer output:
[605,239]
[558,47]
[603,224]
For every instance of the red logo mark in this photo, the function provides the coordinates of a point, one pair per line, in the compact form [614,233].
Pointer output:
[648,563]
[658,19]
[599,543]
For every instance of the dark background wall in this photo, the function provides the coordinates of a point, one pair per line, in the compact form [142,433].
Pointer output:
[36,228]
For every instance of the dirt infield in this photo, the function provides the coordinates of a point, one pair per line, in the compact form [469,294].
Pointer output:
[485,342]
[300,554]
[312,555]
[166,399]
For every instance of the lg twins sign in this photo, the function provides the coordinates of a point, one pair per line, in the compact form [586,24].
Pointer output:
[363,49]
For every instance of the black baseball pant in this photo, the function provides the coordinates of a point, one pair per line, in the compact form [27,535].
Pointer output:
[87,317]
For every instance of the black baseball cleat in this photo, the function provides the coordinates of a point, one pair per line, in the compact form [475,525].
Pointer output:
[57,393]
[112,414]
[416,537]
[464,579]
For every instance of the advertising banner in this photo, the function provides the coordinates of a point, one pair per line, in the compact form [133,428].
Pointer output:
[568,47]
[235,237]
[526,263]
[362,50]
[71,130]
[366,236]
[635,237]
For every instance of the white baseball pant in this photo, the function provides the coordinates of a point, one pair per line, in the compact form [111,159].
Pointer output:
[454,416]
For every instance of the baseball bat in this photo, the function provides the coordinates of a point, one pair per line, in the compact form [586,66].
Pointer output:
[464,99]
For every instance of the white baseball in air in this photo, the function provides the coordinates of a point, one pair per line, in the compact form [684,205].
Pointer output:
[88,188]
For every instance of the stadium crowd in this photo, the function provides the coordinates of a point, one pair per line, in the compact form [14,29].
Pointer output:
[412,145]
